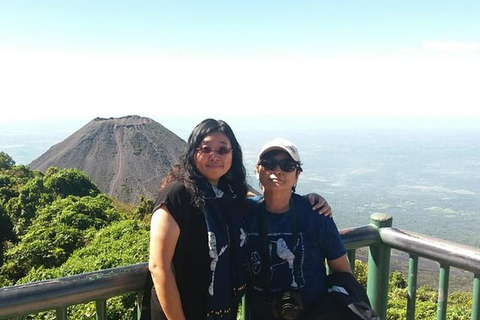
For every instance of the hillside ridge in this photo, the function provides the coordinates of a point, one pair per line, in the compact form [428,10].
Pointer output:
[126,157]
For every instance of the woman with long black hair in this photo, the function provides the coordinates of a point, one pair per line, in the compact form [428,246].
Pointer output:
[197,242]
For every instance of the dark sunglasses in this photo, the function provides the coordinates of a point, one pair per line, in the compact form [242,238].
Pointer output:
[221,151]
[286,165]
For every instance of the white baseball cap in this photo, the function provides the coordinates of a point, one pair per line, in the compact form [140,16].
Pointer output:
[282,145]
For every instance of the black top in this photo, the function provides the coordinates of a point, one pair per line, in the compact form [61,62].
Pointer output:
[190,259]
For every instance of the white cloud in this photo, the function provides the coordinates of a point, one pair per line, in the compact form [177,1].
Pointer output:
[408,50]
[451,46]
[50,85]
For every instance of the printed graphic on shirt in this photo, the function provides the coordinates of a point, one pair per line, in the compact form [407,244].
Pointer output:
[212,246]
[286,261]
[243,237]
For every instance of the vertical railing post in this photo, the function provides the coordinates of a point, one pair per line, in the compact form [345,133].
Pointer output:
[412,286]
[101,309]
[443,279]
[476,298]
[351,259]
[245,306]
[61,314]
[139,304]
[379,268]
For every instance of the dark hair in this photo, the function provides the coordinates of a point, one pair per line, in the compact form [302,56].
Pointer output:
[186,171]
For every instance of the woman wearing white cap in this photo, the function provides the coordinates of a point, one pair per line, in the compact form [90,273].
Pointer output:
[288,243]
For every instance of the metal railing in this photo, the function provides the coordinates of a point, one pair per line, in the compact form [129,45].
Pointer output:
[379,236]
[58,294]
[446,253]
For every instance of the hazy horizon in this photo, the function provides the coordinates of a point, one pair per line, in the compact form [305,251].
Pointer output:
[427,178]
[47,133]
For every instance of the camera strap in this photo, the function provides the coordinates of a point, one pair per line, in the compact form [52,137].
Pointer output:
[265,252]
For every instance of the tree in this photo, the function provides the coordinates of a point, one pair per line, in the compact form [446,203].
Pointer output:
[88,212]
[145,207]
[22,173]
[47,246]
[6,162]
[7,188]
[122,243]
[56,231]
[22,209]
[6,230]
[65,182]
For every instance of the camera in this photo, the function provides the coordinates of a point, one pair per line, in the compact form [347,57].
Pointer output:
[288,305]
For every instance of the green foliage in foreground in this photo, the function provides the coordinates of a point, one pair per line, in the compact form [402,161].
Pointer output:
[459,303]
[56,231]
[59,224]
[121,243]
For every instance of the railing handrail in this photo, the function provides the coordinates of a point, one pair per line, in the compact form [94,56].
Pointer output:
[443,251]
[358,237]
[103,284]
[62,292]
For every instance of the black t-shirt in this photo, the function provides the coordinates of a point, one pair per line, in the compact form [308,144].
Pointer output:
[190,259]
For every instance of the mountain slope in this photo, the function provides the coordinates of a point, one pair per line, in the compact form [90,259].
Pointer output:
[126,157]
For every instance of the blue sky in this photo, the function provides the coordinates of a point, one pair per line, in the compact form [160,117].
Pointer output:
[236,28]
[83,59]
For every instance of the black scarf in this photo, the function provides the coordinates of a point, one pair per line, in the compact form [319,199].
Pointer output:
[227,252]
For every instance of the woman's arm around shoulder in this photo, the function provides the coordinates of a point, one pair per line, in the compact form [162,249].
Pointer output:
[164,233]
[319,203]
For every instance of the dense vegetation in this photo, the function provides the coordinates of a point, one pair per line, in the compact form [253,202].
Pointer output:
[459,303]
[59,223]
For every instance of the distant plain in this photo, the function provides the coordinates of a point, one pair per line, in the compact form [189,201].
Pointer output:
[427,180]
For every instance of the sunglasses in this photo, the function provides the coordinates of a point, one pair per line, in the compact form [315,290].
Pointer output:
[221,151]
[286,165]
